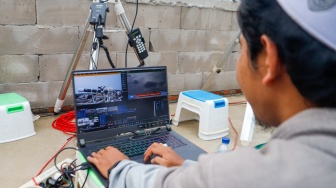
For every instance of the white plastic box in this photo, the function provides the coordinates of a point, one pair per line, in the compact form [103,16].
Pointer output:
[209,109]
[16,121]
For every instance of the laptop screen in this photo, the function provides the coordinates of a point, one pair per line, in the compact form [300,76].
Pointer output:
[126,99]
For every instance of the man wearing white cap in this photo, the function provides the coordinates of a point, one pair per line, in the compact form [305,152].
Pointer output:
[287,71]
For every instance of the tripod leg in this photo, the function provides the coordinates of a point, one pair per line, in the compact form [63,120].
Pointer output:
[224,59]
[94,53]
[73,65]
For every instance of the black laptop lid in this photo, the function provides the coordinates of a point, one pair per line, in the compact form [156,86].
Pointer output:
[114,101]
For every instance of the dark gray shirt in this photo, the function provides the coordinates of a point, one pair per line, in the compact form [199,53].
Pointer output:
[301,153]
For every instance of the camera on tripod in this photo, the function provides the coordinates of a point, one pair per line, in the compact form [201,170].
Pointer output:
[98,13]
[97,20]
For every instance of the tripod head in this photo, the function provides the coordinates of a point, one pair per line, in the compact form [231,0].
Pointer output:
[98,13]
[98,19]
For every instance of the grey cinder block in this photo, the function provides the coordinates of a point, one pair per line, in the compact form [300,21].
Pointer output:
[182,82]
[205,19]
[18,69]
[18,12]
[38,40]
[177,40]
[150,16]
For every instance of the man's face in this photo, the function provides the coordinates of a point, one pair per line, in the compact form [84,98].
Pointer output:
[243,68]
[250,81]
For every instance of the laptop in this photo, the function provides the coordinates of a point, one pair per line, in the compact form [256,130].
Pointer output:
[126,108]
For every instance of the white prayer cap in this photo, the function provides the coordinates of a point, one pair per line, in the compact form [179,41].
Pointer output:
[316,17]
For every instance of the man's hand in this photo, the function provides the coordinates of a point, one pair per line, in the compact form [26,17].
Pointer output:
[165,155]
[106,158]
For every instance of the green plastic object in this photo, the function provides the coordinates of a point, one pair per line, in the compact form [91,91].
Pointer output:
[13,109]
[259,146]
[13,102]
[11,98]
[92,174]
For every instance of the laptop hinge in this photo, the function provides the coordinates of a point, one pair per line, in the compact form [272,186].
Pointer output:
[108,139]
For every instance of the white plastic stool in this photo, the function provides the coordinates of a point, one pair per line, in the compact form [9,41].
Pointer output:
[16,121]
[209,109]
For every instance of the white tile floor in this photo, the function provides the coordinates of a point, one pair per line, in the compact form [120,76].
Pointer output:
[21,160]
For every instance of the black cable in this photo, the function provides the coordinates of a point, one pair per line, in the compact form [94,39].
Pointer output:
[101,43]
[67,172]
[108,55]
[99,19]
[136,14]
[84,166]
[87,174]
[126,55]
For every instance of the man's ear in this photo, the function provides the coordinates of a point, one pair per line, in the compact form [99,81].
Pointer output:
[274,68]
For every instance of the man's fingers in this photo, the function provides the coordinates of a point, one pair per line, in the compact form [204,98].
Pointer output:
[109,147]
[155,148]
[159,160]
[92,160]
[148,153]
[101,151]
[94,154]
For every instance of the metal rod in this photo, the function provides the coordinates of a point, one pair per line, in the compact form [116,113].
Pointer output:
[225,58]
[73,65]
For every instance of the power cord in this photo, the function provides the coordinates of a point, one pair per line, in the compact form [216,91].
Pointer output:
[136,14]
[234,129]
[69,172]
[65,123]
[68,140]
[236,138]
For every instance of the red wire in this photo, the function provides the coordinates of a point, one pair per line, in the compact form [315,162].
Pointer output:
[35,181]
[237,102]
[235,143]
[69,139]
[64,123]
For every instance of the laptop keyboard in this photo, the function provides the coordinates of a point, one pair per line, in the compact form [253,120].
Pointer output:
[138,147]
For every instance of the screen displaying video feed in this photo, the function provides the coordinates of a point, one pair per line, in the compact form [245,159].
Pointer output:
[121,98]
[98,89]
[146,84]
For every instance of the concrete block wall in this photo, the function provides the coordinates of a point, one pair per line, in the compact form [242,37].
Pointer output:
[39,37]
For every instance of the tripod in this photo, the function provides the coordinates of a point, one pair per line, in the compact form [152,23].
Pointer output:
[96,19]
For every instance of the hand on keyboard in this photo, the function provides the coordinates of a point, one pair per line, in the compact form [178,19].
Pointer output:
[165,156]
[106,158]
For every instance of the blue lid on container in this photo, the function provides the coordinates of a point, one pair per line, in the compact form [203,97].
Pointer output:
[226,140]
